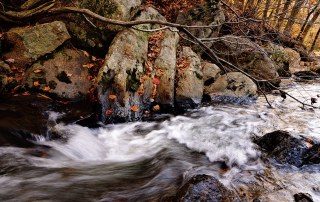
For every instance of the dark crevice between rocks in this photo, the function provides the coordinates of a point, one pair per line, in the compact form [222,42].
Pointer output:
[63,77]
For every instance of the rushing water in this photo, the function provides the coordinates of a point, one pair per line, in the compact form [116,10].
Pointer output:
[149,161]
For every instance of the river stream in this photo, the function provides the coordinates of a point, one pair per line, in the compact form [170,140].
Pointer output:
[149,161]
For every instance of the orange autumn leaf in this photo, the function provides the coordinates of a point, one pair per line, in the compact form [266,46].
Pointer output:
[135,108]
[37,71]
[112,97]
[89,66]
[156,108]
[47,88]
[36,83]
[109,112]
[156,81]
[26,93]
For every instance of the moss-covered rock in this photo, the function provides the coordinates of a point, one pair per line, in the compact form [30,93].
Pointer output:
[206,14]
[125,88]
[63,75]
[246,55]
[233,84]
[28,44]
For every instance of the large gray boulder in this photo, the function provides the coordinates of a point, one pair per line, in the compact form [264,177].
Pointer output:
[28,44]
[127,85]
[234,84]
[63,75]
[246,55]
[189,79]
[207,14]
[97,37]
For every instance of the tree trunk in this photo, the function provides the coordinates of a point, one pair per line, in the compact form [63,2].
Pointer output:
[310,24]
[295,10]
[315,40]
[306,21]
[283,14]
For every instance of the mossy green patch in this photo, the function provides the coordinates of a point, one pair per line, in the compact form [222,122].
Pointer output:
[133,82]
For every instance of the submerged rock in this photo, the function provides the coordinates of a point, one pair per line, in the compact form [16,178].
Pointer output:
[287,149]
[232,84]
[28,44]
[63,75]
[246,55]
[303,197]
[306,75]
[205,188]
[189,79]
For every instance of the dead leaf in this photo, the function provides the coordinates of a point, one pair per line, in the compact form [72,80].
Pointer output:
[10,60]
[156,108]
[89,66]
[109,112]
[36,83]
[112,97]
[26,93]
[156,81]
[37,71]
[135,108]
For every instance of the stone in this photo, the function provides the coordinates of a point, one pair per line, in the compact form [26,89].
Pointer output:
[124,72]
[210,73]
[306,75]
[63,75]
[97,38]
[207,14]
[312,155]
[205,188]
[246,55]
[189,79]
[28,44]
[283,147]
[233,84]
[302,197]
[167,62]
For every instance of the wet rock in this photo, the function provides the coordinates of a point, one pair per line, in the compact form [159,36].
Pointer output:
[4,70]
[312,155]
[209,13]
[28,44]
[205,188]
[246,55]
[124,72]
[306,75]
[316,67]
[303,197]
[62,75]
[283,147]
[210,73]
[233,84]
[189,79]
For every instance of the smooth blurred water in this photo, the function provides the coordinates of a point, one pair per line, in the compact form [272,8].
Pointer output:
[149,161]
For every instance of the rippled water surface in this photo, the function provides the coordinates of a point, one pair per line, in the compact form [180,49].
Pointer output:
[149,161]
